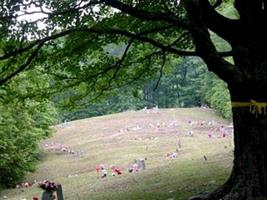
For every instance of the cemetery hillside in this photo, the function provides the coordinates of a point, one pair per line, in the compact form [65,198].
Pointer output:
[133,99]
[186,151]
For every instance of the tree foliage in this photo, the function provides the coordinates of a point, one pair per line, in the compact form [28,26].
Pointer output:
[216,95]
[23,123]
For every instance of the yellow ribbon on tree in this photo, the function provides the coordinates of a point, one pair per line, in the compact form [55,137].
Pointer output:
[255,107]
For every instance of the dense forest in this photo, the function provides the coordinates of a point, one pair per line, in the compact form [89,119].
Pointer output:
[185,84]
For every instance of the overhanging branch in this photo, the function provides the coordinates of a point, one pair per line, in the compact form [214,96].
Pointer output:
[23,66]
[160,71]
[35,43]
[62,34]
[118,64]
[203,43]
[146,15]
[206,15]
[141,38]
[207,51]
[133,36]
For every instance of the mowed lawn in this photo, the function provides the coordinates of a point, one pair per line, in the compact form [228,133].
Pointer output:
[119,139]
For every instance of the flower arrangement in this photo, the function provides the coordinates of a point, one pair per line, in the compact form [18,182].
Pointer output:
[48,186]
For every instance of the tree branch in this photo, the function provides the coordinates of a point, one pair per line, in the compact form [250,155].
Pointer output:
[205,47]
[206,15]
[141,38]
[64,33]
[119,62]
[145,15]
[160,71]
[23,66]
[35,43]
[207,51]
[219,24]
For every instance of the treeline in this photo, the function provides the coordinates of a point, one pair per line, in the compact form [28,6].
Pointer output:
[187,84]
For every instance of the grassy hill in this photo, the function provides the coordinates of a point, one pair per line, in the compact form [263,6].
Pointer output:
[119,139]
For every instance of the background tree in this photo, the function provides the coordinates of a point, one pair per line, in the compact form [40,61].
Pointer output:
[71,46]
[23,123]
[186,83]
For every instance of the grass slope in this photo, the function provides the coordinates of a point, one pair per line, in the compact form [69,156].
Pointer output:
[163,179]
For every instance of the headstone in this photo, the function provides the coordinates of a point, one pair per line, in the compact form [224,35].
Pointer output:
[141,164]
[179,143]
[49,195]
[46,195]
[59,192]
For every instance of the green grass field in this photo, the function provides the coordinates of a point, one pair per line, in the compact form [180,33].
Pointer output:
[101,141]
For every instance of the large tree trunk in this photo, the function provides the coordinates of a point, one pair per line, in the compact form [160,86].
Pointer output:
[248,179]
[246,80]
[249,175]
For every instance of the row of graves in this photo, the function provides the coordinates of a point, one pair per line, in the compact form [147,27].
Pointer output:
[58,147]
[151,110]
[212,128]
[103,172]
[158,127]
[51,190]
[64,124]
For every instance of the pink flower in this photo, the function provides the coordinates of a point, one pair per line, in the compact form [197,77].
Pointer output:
[48,185]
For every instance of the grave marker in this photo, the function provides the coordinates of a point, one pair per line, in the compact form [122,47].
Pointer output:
[141,164]
[59,192]
[48,195]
